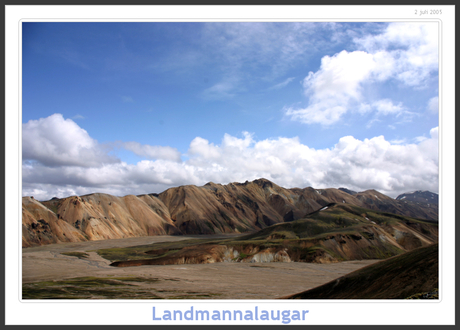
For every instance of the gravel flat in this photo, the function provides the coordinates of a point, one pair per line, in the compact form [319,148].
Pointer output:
[225,280]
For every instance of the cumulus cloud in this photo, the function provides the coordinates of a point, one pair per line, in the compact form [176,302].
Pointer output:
[407,53]
[244,50]
[333,87]
[390,167]
[339,76]
[153,152]
[55,141]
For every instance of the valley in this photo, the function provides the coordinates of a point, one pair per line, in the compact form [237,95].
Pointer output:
[48,274]
[222,242]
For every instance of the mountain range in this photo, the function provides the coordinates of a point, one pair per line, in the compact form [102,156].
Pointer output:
[194,210]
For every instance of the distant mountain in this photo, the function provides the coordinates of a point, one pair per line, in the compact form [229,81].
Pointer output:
[419,196]
[209,209]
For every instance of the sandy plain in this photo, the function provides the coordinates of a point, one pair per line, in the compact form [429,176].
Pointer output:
[226,280]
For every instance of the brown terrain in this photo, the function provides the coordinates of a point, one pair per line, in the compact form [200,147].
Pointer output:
[210,209]
[49,274]
[252,233]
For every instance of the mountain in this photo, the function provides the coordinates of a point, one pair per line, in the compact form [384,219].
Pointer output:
[209,209]
[419,196]
[348,191]
[336,232]
[421,199]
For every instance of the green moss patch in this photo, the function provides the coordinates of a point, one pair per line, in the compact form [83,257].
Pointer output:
[90,288]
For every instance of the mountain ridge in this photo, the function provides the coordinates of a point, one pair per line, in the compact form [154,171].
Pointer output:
[208,209]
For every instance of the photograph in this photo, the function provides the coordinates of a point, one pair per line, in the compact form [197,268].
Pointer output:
[210,160]
[203,168]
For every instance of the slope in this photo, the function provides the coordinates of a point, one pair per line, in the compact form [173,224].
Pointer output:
[395,278]
[209,209]
[336,232]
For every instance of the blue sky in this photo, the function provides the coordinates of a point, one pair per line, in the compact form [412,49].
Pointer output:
[132,108]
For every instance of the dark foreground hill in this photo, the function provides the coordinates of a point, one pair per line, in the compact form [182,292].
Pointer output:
[209,209]
[395,278]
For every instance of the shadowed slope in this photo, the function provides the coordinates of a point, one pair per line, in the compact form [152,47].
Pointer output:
[395,278]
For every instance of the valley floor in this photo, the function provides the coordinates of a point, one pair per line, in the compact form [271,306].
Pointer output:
[46,273]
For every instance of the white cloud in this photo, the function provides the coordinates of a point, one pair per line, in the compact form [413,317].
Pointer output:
[386,107]
[323,113]
[203,148]
[333,88]
[390,167]
[153,152]
[55,141]
[339,76]
[407,53]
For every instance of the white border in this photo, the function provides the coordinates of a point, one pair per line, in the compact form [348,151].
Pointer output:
[140,312]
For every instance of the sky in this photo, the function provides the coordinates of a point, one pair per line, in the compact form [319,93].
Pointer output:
[137,108]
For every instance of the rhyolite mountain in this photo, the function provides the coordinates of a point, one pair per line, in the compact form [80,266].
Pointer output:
[336,232]
[422,197]
[209,209]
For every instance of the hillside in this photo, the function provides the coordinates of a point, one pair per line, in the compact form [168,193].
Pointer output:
[209,209]
[337,232]
[399,277]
